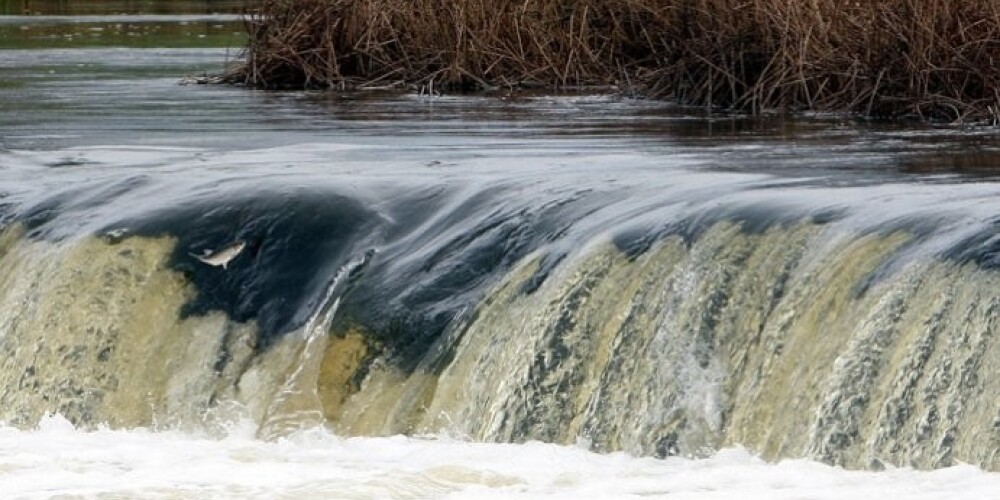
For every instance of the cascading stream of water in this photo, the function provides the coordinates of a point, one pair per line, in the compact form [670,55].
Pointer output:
[796,340]
[297,404]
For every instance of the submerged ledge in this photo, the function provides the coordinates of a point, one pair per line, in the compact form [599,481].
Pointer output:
[916,59]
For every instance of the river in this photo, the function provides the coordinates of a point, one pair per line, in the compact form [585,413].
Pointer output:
[214,292]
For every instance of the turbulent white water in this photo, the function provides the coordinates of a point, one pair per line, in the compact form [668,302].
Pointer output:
[57,460]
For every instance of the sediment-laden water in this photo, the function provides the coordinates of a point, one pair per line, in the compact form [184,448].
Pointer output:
[601,274]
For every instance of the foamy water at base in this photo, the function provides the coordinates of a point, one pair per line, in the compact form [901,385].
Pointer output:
[58,461]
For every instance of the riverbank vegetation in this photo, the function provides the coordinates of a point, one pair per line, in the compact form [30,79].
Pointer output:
[929,59]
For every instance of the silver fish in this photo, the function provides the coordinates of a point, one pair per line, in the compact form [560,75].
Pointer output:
[223,256]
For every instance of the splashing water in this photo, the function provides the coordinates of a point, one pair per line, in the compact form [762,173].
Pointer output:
[57,459]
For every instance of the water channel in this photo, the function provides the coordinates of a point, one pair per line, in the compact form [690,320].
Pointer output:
[214,292]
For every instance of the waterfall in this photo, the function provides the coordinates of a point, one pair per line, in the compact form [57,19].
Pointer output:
[798,339]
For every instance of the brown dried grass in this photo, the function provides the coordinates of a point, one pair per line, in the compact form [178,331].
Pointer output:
[932,59]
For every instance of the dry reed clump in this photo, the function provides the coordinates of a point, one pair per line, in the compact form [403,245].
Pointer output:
[933,59]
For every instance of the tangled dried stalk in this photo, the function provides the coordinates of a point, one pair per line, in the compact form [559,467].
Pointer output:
[932,59]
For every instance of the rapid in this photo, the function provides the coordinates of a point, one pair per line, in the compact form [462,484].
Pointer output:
[213,292]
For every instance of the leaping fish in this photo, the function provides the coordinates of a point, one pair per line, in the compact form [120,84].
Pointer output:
[223,256]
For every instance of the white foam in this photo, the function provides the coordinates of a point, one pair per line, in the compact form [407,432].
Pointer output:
[57,459]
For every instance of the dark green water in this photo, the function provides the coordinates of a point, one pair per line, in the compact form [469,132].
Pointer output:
[103,7]
[27,24]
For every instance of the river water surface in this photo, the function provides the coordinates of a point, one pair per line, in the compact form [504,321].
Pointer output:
[215,292]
